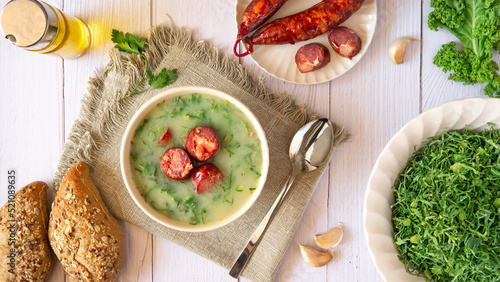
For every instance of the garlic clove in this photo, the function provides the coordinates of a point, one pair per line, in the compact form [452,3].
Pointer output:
[314,257]
[397,49]
[330,238]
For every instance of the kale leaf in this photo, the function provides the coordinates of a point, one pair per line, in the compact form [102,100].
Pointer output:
[476,23]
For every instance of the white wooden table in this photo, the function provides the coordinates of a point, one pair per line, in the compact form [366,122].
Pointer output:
[40,98]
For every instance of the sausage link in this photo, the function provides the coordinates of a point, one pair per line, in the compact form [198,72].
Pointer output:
[256,13]
[304,25]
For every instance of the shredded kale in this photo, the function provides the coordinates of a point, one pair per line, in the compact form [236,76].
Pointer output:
[148,168]
[446,213]
[141,128]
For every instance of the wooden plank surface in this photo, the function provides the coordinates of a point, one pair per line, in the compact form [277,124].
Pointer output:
[372,111]
[40,100]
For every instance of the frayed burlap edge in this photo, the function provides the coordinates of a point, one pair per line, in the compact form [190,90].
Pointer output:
[85,138]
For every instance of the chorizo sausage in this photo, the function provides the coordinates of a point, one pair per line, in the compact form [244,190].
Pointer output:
[165,138]
[344,41]
[205,177]
[255,14]
[176,164]
[304,25]
[201,143]
[311,57]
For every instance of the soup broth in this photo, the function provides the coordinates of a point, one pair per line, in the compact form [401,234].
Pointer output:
[239,158]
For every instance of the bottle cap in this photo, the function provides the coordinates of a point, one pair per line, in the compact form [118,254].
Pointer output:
[29,24]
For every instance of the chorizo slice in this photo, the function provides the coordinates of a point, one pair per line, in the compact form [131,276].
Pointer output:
[205,177]
[344,41]
[165,138]
[311,57]
[176,164]
[202,143]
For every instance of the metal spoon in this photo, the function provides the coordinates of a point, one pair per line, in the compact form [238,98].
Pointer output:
[309,149]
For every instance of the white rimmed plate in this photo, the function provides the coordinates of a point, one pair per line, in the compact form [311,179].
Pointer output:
[472,113]
[279,60]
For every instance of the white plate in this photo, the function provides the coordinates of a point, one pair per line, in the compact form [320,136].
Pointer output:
[279,60]
[473,113]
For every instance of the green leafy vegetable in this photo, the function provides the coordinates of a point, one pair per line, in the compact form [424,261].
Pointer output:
[476,23]
[446,216]
[148,168]
[190,206]
[128,43]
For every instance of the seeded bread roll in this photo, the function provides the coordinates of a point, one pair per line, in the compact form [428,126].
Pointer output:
[86,238]
[28,257]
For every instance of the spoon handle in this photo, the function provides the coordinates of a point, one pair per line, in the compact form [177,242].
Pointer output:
[247,252]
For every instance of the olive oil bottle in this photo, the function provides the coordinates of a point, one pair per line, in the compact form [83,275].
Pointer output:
[39,27]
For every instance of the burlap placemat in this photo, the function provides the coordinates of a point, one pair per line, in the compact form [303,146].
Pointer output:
[96,137]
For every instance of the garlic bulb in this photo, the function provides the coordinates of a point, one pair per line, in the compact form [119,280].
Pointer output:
[314,257]
[330,238]
[397,49]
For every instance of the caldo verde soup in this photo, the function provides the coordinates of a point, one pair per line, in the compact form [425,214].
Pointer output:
[238,157]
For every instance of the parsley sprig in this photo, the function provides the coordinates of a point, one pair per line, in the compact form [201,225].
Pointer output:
[129,43]
[446,213]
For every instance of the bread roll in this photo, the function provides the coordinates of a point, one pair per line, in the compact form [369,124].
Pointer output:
[86,238]
[29,216]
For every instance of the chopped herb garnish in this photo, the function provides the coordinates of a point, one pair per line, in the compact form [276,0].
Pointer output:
[154,206]
[200,115]
[215,107]
[229,202]
[155,133]
[194,98]
[247,126]
[255,171]
[148,168]
[177,202]
[141,128]
[203,215]
[226,183]
[249,162]
[176,112]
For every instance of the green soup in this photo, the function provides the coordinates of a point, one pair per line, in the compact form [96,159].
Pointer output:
[239,158]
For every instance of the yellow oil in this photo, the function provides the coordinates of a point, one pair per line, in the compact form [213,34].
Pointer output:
[72,39]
